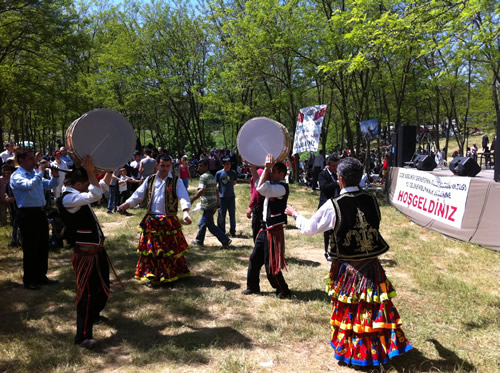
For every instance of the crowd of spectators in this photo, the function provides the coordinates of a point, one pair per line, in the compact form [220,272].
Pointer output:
[375,171]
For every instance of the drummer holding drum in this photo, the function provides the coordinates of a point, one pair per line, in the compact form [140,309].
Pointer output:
[269,249]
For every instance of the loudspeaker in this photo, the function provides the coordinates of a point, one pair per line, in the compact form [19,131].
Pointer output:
[407,140]
[425,162]
[464,166]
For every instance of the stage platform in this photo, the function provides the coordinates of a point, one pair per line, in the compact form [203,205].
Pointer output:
[465,208]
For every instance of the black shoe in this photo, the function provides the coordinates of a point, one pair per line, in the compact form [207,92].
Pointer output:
[13,244]
[250,292]
[233,235]
[47,281]
[196,243]
[32,286]
[226,245]
[285,295]
[88,343]
[100,319]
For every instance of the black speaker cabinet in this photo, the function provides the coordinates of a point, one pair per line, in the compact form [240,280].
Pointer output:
[424,162]
[464,166]
[407,140]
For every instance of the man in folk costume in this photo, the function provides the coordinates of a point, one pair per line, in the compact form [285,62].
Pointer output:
[269,249]
[90,260]
[366,328]
[329,188]
[162,244]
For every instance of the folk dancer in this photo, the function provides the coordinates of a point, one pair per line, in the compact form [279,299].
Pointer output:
[90,260]
[162,244]
[269,249]
[365,325]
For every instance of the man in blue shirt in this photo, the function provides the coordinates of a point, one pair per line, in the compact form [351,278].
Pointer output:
[226,179]
[65,157]
[28,188]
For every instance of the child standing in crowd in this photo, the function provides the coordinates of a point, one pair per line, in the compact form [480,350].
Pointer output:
[184,173]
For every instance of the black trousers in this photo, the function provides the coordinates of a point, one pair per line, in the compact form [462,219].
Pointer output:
[316,171]
[326,239]
[260,257]
[256,220]
[32,222]
[93,300]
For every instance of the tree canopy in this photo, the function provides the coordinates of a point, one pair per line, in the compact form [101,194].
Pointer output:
[189,76]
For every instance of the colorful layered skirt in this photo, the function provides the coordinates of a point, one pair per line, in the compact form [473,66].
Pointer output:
[365,325]
[161,250]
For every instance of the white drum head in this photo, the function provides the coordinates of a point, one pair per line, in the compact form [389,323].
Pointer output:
[107,136]
[259,137]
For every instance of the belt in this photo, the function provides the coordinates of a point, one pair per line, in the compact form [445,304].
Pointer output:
[87,252]
[41,208]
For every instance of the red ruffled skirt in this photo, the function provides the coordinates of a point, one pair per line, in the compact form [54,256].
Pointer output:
[161,247]
[366,327]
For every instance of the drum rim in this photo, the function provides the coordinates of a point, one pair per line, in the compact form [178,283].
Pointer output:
[73,153]
[286,146]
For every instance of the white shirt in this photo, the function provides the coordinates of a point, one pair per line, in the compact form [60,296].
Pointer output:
[122,184]
[363,181]
[158,203]
[270,190]
[6,155]
[324,219]
[63,165]
[76,199]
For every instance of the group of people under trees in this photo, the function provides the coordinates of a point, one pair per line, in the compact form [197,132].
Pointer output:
[366,328]
[375,170]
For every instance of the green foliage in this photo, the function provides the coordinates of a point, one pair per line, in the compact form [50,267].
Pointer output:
[189,76]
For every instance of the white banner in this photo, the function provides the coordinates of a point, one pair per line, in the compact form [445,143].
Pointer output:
[308,129]
[369,129]
[441,198]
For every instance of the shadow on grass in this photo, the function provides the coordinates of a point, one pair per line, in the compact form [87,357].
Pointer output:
[205,282]
[179,347]
[10,365]
[381,196]
[388,262]
[303,262]
[415,361]
[311,295]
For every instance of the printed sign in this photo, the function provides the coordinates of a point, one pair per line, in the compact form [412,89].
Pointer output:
[441,198]
[308,129]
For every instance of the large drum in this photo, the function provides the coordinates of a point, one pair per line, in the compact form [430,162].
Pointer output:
[261,136]
[103,134]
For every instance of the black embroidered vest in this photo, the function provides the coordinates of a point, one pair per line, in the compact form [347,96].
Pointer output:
[82,227]
[356,233]
[170,197]
[276,209]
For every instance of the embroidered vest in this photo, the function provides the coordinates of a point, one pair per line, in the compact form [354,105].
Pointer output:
[276,209]
[82,227]
[356,233]
[170,197]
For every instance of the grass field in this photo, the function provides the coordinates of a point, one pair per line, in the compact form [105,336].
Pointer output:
[447,296]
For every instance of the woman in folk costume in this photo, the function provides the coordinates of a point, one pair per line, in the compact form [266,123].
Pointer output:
[162,244]
[365,325]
